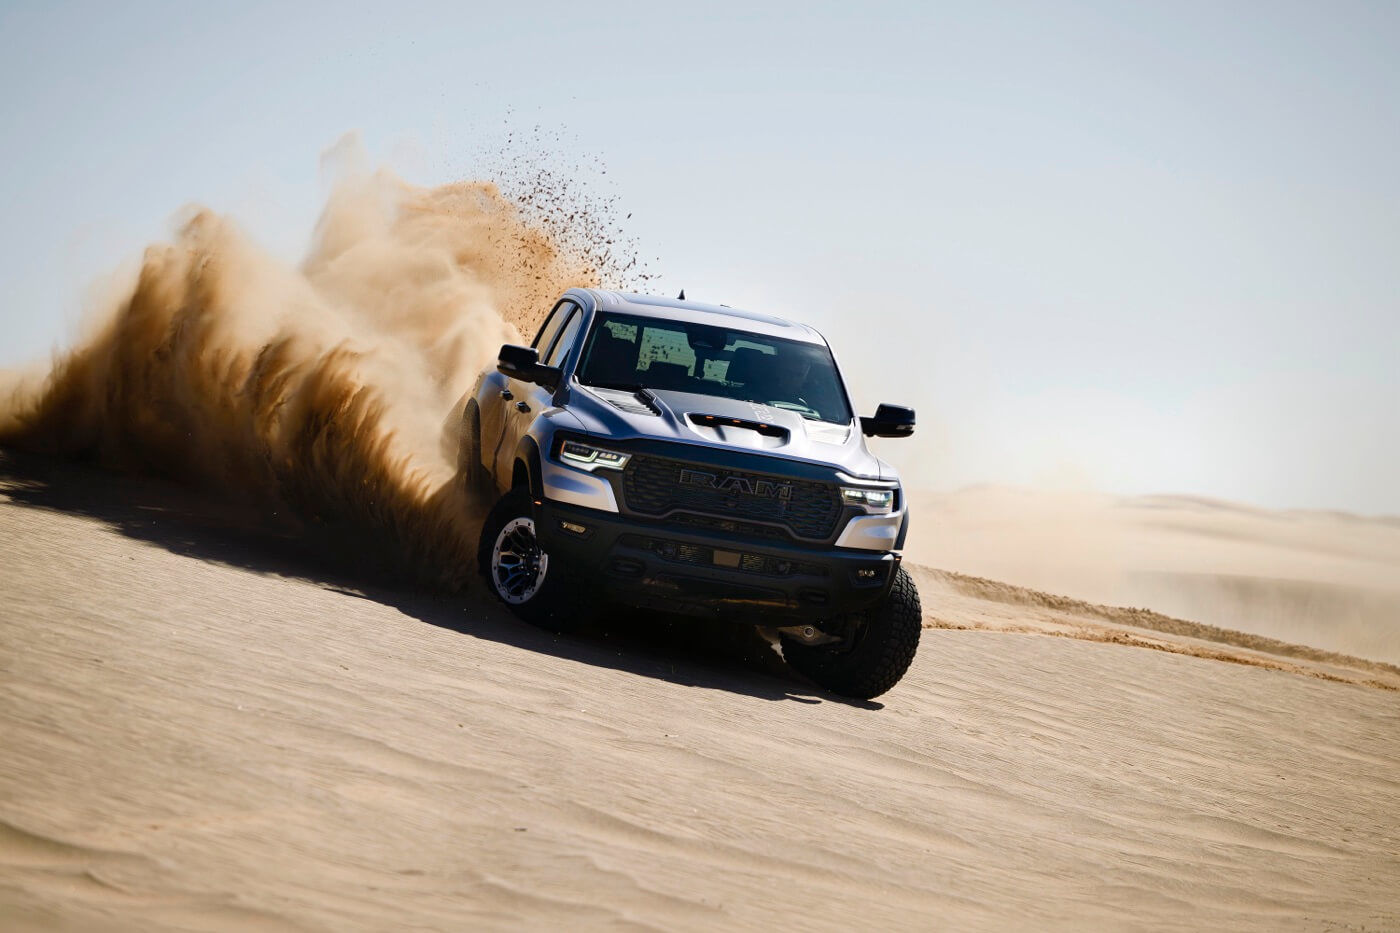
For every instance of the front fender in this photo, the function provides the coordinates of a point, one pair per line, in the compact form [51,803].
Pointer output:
[549,479]
[527,456]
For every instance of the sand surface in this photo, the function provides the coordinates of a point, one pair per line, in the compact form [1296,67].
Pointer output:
[201,728]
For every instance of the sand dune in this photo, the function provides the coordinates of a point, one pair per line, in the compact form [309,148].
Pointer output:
[204,727]
[1326,579]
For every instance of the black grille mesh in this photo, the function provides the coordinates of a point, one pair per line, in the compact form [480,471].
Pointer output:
[652,486]
[731,525]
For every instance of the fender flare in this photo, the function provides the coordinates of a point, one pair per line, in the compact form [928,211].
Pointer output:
[527,452]
[903,532]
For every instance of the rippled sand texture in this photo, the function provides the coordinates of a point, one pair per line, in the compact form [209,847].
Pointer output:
[204,729]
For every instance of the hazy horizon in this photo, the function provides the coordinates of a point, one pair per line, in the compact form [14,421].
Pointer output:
[1142,251]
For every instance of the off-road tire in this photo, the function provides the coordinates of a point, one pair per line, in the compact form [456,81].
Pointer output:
[555,604]
[878,651]
[473,474]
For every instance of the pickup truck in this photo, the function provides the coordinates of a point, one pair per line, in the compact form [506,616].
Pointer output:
[694,459]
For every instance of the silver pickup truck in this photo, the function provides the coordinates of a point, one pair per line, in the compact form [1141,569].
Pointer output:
[694,459]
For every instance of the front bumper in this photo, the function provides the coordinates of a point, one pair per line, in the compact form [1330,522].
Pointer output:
[708,572]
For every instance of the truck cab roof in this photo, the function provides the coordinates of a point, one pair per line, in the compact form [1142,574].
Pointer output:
[675,309]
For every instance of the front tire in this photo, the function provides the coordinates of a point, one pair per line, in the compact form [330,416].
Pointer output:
[519,572]
[877,648]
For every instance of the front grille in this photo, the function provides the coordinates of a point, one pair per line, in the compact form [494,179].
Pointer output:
[653,486]
[732,526]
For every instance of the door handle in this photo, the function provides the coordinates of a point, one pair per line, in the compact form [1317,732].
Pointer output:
[521,406]
[506,394]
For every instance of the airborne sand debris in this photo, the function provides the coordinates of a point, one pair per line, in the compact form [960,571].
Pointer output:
[330,389]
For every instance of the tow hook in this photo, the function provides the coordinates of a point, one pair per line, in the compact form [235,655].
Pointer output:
[808,634]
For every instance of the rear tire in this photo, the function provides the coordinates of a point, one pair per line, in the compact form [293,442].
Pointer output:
[520,574]
[877,650]
[469,466]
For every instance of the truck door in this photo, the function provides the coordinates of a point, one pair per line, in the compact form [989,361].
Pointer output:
[500,397]
[526,400]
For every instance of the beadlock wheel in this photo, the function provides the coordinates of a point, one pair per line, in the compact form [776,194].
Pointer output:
[518,564]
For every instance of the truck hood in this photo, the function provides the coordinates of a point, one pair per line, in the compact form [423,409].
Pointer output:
[710,421]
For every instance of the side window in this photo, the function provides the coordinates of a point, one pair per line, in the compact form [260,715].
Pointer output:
[566,340]
[551,326]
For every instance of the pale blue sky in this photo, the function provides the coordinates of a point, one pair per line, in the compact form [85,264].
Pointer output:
[1143,247]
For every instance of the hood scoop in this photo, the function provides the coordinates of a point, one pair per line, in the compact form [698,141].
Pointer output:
[634,403]
[740,432]
[717,421]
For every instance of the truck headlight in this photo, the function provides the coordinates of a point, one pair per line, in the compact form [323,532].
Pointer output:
[874,500]
[587,457]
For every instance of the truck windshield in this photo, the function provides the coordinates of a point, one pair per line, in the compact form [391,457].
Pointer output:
[626,352]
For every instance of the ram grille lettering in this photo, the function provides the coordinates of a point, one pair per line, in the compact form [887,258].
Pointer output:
[741,485]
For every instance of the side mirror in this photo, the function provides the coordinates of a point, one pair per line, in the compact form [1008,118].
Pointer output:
[523,363]
[889,421]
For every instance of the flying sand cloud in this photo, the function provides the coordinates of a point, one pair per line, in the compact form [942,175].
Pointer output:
[330,389]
